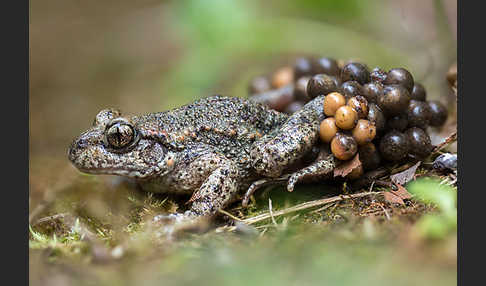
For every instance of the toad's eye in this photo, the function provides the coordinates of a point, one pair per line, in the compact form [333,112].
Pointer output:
[119,135]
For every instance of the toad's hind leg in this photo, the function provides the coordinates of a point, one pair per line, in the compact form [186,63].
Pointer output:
[273,153]
[321,168]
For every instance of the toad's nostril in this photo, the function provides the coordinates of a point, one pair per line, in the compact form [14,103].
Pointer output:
[77,145]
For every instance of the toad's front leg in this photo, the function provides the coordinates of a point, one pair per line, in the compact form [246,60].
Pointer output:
[220,183]
[219,188]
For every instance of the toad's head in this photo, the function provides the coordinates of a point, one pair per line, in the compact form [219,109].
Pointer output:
[114,145]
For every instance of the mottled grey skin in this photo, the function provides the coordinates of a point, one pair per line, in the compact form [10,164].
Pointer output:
[212,148]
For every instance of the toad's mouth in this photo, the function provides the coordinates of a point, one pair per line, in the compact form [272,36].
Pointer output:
[131,173]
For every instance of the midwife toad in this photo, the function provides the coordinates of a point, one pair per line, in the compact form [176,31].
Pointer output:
[212,148]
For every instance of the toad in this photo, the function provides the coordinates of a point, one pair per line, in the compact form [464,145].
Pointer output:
[212,149]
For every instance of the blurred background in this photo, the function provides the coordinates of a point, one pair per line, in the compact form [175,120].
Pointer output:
[151,55]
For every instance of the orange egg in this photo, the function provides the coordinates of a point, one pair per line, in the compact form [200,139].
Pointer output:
[328,129]
[332,102]
[364,132]
[346,117]
[282,77]
[343,146]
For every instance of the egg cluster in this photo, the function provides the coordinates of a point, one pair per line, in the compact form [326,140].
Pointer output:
[378,114]
[345,116]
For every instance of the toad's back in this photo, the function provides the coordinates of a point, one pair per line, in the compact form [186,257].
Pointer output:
[230,124]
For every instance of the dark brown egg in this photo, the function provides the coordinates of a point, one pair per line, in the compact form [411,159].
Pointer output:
[378,75]
[346,117]
[360,105]
[395,100]
[336,81]
[282,76]
[325,65]
[394,146]
[420,144]
[375,115]
[351,88]
[302,67]
[369,156]
[418,114]
[355,71]
[438,113]
[418,92]
[259,84]
[300,89]
[320,84]
[400,76]
[343,146]
[277,99]
[372,91]
[397,122]
[328,129]
[332,102]
[294,106]
[364,132]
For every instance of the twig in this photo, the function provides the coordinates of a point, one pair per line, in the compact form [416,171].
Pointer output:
[49,218]
[270,210]
[370,176]
[386,213]
[321,209]
[383,183]
[306,205]
[263,232]
[229,215]
[265,226]
[452,138]
[371,187]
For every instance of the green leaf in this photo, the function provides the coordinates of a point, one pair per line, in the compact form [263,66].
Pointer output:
[432,191]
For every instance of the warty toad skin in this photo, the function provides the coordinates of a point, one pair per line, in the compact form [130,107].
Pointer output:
[213,148]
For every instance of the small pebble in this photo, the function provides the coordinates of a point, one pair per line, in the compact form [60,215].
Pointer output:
[447,161]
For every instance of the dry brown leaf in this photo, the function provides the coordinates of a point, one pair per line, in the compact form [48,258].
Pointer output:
[347,167]
[405,176]
[402,192]
[392,198]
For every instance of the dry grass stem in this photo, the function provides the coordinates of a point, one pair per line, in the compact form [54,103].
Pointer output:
[306,205]
[271,212]
[229,215]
